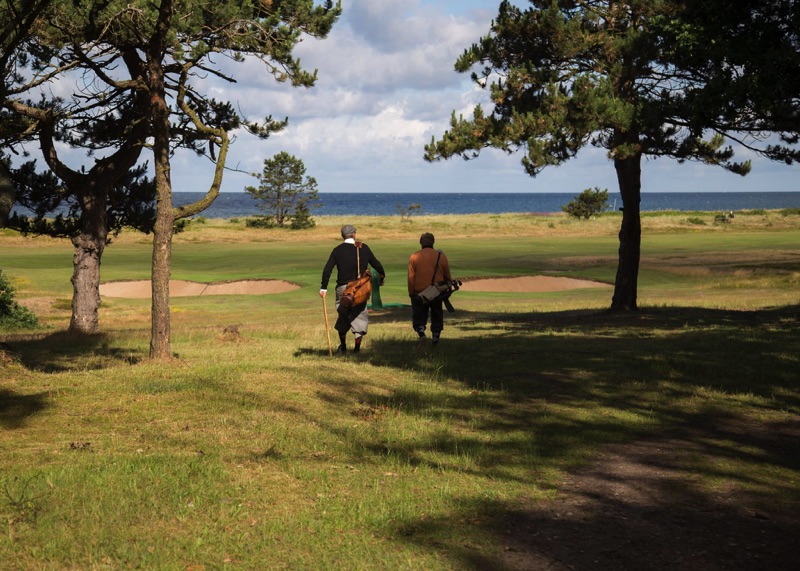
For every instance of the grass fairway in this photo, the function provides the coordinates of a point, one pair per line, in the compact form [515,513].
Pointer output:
[253,449]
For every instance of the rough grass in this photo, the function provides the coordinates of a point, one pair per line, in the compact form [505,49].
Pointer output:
[254,449]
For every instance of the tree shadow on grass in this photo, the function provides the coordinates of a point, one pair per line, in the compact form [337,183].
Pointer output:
[639,505]
[519,367]
[652,395]
[63,351]
[754,351]
[552,387]
[15,409]
[54,353]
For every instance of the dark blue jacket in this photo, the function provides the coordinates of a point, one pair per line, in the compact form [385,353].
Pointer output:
[343,257]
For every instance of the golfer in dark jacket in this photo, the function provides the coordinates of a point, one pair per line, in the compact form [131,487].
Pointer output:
[344,257]
[421,267]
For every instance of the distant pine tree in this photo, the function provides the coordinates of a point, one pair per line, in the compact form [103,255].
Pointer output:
[285,193]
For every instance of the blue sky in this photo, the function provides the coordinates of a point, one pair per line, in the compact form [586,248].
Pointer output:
[386,86]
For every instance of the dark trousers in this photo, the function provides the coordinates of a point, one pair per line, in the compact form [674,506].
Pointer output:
[419,316]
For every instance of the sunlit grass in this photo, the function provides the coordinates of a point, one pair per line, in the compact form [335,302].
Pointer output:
[256,449]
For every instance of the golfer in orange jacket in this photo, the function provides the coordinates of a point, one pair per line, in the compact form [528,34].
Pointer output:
[421,267]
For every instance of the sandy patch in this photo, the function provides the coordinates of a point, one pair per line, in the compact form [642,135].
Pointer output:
[179,288]
[530,284]
[140,289]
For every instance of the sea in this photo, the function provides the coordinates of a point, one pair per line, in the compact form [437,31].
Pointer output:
[240,204]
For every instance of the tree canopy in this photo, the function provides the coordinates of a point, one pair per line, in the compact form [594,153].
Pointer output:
[177,42]
[103,115]
[16,19]
[284,190]
[142,66]
[656,78]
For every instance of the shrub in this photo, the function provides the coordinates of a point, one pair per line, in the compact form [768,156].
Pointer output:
[180,225]
[302,218]
[722,218]
[587,203]
[260,221]
[12,314]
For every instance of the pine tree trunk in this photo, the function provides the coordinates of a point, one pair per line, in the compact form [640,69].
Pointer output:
[166,213]
[165,216]
[7,195]
[160,347]
[89,246]
[629,175]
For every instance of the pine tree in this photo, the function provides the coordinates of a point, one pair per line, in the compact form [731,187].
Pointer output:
[285,193]
[664,78]
[165,46]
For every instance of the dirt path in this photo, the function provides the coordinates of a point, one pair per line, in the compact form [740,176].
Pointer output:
[640,507]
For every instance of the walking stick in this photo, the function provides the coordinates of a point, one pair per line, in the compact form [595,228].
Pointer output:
[327,327]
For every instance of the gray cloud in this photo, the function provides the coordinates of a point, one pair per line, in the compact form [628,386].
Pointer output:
[386,86]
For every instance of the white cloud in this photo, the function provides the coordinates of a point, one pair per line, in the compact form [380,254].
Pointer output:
[387,86]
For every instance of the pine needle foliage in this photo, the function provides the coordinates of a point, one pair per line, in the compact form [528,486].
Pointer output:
[666,78]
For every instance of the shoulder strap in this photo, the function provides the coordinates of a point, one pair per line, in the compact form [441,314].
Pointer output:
[358,246]
[436,267]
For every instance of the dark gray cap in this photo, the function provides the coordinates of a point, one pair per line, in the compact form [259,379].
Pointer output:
[427,239]
[348,230]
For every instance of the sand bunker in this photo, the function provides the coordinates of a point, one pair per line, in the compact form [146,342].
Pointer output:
[530,284]
[179,288]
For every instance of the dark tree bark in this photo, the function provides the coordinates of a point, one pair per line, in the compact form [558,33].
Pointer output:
[89,247]
[630,234]
[7,195]
[160,347]
[92,189]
